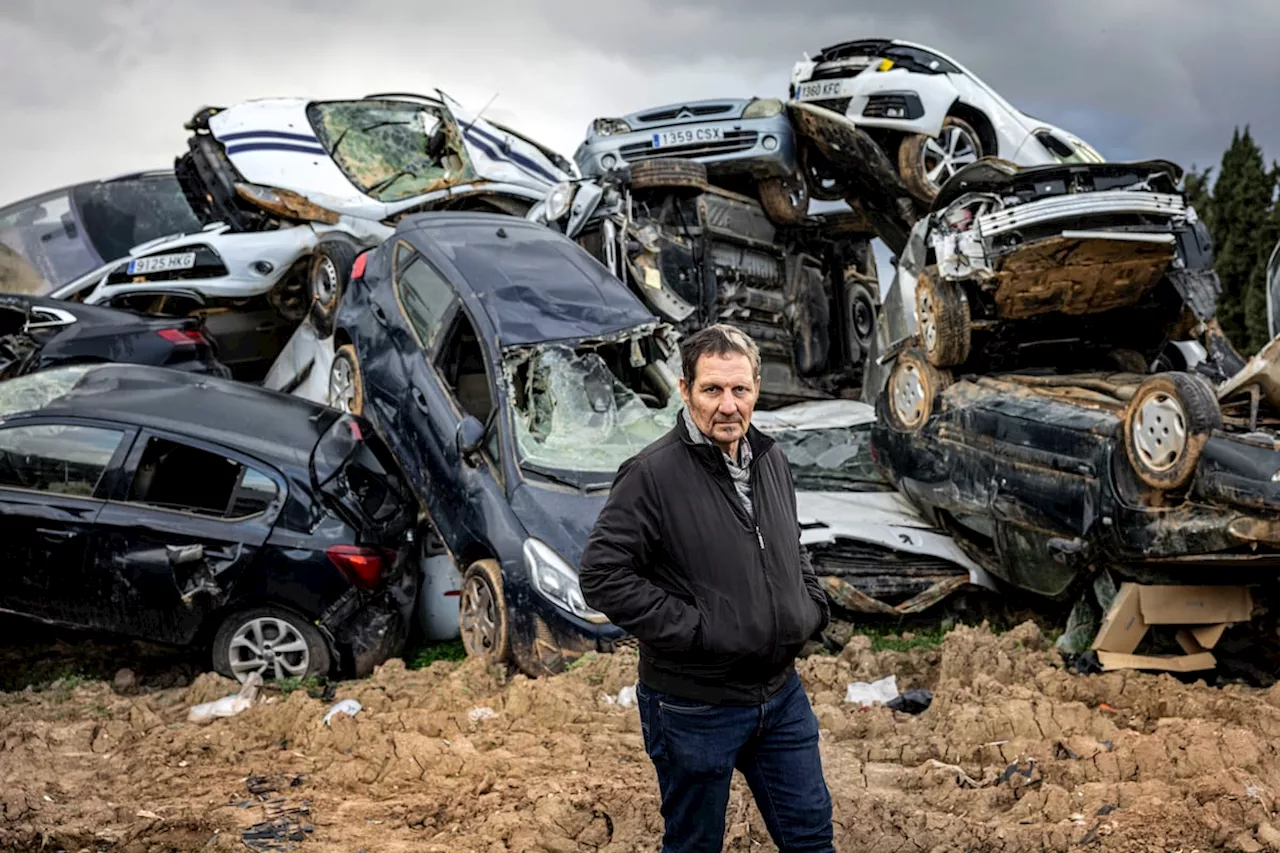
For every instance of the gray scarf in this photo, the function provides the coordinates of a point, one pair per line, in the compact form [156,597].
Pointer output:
[739,469]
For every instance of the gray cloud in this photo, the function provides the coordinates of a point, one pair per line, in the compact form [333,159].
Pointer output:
[89,89]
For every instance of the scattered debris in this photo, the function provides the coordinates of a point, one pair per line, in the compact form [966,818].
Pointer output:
[626,697]
[228,706]
[477,714]
[872,693]
[347,706]
[911,701]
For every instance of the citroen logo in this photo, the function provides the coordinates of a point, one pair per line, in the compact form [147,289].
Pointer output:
[684,113]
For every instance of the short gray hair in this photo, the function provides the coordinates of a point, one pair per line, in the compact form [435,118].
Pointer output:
[720,339]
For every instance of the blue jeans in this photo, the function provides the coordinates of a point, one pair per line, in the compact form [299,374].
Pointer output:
[695,748]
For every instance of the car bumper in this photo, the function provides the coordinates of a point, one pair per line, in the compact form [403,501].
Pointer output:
[378,631]
[744,149]
[546,639]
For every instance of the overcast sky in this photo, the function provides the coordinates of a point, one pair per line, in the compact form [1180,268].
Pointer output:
[89,89]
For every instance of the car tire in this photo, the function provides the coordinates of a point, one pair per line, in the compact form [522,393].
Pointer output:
[482,613]
[914,156]
[785,200]
[307,656]
[862,317]
[669,173]
[1166,424]
[913,389]
[346,382]
[327,278]
[820,176]
[943,312]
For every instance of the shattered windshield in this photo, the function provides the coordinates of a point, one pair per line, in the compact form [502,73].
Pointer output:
[37,390]
[390,150]
[831,460]
[574,413]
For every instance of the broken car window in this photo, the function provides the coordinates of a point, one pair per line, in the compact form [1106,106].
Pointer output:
[56,458]
[837,460]
[184,478]
[119,215]
[37,390]
[423,292]
[49,236]
[391,150]
[573,413]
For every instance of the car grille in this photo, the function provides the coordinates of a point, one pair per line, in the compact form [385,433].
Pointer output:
[733,142]
[673,113]
[884,574]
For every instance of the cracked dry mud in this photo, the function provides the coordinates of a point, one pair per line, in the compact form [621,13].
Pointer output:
[1016,754]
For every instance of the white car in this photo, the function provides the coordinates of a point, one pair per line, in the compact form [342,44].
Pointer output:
[343,171]
[872,550]
[926,111]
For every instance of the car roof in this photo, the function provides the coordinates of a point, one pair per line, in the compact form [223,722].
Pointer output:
[271,426]
[66,188]
[534,285]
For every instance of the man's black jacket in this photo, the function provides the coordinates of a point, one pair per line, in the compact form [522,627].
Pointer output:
[721,602]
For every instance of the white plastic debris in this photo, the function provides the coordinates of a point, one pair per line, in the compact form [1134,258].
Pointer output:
[626,697]
[872,693]
[347,706]
[478,714]
[227,706]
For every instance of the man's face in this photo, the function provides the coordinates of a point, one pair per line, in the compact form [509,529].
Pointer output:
[722,398]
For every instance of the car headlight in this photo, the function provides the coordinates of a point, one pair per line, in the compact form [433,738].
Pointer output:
[609,127]
[558,201]
[762,108]
[286,203]
[557,581]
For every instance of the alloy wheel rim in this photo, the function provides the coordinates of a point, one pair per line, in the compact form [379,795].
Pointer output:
[342,386]
[271,647]
[943,157]
[1160,432]
[479,617]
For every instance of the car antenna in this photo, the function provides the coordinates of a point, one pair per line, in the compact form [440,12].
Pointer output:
[482,112]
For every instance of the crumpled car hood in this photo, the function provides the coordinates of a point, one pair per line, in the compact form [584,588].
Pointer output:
[882,518]
[558,516]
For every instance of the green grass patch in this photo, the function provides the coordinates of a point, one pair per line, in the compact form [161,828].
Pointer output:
[425,655]
[888,640]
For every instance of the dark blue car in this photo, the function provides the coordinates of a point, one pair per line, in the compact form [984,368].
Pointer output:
[511,374]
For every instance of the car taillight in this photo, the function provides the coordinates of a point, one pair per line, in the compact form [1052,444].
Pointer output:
[183,337]
[357,269]
[362,566]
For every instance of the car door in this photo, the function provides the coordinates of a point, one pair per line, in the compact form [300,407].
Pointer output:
[53,478]
[184,525]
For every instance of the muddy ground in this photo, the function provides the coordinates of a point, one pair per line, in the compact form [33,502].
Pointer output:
[1015,754]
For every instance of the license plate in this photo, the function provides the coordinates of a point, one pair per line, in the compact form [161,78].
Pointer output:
[688,136]
[162,263]
[820,90]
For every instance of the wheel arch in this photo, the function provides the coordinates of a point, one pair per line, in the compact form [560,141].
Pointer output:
[978,120]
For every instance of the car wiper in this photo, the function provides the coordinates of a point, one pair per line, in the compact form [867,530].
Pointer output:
[382,185]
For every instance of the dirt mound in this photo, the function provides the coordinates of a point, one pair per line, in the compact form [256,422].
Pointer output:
[1015,754]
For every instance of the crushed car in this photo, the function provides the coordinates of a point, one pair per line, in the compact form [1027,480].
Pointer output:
[331,177]
[511,374]
[133,242]
[37,333]
[702,234]
[874,553]
[929,115]
[270,532]
[1104,420]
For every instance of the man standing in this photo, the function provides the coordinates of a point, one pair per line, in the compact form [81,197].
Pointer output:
[697,554]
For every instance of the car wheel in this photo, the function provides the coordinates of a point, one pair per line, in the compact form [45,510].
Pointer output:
[821,176]
[482,613]
[926,163]
[862,307]
[327,280]
[346,384]
[943,311]
[1166,424]
[914,385]
[669,173]
[785,200]
[271,641]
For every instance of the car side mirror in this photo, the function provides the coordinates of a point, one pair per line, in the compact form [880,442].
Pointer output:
[470,437]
